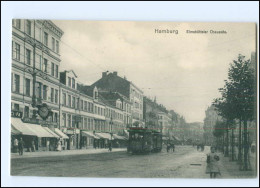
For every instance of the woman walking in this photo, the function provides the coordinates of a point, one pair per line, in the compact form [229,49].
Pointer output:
[212,163]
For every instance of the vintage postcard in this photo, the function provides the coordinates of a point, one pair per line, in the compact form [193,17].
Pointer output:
[133,99]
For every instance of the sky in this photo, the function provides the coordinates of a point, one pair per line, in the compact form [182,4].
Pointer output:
[183,71]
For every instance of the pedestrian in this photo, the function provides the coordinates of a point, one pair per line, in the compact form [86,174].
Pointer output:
[212,163]
[198,147]
[33,146]
[168,147]
[20,146]
[59,145]
[15,145]
[110,146]
[173,147]
[202,147]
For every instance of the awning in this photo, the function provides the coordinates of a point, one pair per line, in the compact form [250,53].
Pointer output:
[104,135]
[165,138]
[21,126]
[89,134]
[40,131]
[119,137]
[60,133]
[30,129]
[14,131]
[50,131]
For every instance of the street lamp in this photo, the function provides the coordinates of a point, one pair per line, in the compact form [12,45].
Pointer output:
[111,133]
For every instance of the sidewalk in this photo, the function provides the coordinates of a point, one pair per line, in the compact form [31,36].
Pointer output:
[230,169]
[64,153]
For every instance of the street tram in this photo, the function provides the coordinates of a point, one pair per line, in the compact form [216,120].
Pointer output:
[143,140]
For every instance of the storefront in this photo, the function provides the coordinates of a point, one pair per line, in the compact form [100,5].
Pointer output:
[34,136]
[119,141]
[73,142]
[87,139]
[63,138]
[104,140]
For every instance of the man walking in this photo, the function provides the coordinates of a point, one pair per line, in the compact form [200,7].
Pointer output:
[15,145]
[20,146]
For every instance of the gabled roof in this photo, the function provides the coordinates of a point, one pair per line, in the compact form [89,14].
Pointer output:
[87,90]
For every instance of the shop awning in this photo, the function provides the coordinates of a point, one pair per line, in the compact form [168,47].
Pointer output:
[165,138]
[104,135]
[119,137]
[40,131]
[14,131]
[60,133]
[30,129]
[51,132]
[21,127]
[89,134]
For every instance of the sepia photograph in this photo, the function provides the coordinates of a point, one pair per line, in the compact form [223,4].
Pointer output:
[129,94]
[133,99]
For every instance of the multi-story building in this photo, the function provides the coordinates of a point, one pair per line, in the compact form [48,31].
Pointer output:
[113,82]
[35,72]
[209,122]
[118,111]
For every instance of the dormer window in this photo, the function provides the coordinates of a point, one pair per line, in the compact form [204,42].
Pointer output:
[95,95]
[73,83]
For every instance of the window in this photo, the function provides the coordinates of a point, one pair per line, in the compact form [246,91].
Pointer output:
[38,33]
[56,96]
[69,81]
[52,94]
[28,27]
[39,90]
[57,71]
[69,100]
[64,119]
[57,47]
[27,87]
[17,83]
[69,120]
[53,44]
[77,104]
[17,23]
[81,104]
[28,57]
[55,117]
[95,109]
[73,121]
[17,52]
[26,111]
[45,65]
[73,83]
[16,107]
[45,39]
[85,105]
[52,69]
[64,98]
[38,61]
[73,102]
[44,92]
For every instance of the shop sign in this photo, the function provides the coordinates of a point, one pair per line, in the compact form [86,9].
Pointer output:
[17,114]
[77,131]
[71,131]
[32,120]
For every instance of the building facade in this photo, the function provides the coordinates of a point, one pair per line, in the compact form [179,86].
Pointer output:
[114,83]
[35,72]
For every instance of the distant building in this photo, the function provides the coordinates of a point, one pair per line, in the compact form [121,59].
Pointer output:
[114,83]
[209,122]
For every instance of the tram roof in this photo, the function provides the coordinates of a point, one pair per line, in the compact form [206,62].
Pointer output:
[141,129]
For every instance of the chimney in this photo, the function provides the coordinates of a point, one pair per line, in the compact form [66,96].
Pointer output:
[115,73]
[104,74]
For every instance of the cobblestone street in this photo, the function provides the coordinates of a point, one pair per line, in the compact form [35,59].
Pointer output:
[185,162]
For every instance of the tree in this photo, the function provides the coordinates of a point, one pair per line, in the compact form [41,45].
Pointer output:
[237,101]
[218,132]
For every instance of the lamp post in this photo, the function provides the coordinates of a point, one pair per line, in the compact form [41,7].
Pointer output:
[111,132]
